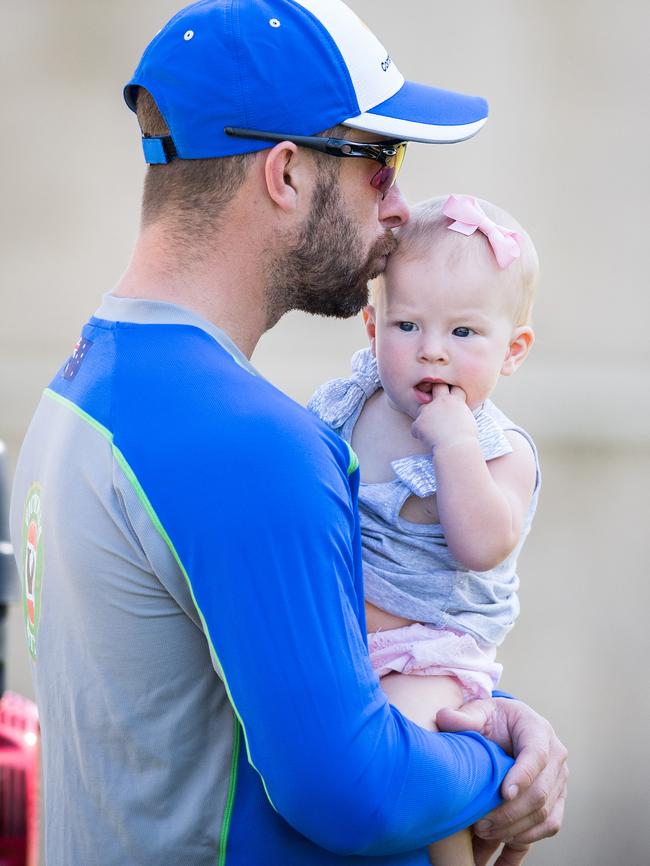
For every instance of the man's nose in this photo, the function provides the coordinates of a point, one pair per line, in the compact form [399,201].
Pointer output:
[393,209]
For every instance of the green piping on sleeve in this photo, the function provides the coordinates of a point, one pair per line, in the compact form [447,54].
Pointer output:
[142,496]
[230,801]
[122,462]
[80,412]
[353,465]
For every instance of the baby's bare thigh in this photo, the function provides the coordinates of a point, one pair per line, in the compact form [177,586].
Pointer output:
[420,698]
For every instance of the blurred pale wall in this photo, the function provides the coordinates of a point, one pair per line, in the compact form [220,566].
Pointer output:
[565,151]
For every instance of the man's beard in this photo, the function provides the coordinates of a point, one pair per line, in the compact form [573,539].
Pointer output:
[325,270]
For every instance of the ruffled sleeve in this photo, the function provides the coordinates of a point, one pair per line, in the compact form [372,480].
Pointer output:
[339,400]
[418,473]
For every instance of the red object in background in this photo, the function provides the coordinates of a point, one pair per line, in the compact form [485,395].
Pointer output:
[19,781]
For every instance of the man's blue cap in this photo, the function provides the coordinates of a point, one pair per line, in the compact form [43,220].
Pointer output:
[291,66]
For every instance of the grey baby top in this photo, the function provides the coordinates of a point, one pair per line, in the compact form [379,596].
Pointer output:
[408,569]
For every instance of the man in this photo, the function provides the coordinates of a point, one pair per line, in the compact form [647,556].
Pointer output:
[198,628]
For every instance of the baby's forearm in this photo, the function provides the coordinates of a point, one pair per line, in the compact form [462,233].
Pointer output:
[474,512]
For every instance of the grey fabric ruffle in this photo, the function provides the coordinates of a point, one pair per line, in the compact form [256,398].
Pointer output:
[338,399]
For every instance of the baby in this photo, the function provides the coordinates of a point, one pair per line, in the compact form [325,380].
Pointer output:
[449,484]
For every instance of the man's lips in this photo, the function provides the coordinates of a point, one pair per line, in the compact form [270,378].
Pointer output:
[382,250]
[424,388]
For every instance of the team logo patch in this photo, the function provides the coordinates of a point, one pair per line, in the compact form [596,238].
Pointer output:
[32,561]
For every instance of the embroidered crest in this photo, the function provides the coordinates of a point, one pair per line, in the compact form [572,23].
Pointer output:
[32,561]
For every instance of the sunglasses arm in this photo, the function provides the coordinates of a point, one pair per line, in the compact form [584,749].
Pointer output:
[332,146]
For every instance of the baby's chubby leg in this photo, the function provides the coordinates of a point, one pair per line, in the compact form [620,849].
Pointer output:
[419,698]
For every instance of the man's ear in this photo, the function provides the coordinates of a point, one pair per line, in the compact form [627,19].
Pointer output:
[521,342]
[369,321]
[280,173]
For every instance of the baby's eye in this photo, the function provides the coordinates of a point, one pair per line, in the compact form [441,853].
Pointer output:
[462,332]
[407,326]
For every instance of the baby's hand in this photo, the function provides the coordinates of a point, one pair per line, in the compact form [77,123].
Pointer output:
[447,419]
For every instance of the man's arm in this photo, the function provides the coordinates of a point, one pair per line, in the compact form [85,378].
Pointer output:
[260,515]
[252,495]
[281,610]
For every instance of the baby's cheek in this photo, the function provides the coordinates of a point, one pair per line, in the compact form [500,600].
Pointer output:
[480,377]
[477,367]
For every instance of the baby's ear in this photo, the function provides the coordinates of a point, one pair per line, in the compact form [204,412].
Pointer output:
[521,343]
[368,314]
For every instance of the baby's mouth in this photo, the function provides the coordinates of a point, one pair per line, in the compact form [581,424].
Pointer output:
[426,385]
[424,388]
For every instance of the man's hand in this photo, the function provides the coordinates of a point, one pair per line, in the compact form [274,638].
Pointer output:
[534,789]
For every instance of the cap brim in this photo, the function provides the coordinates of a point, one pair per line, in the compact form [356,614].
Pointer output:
[421,113]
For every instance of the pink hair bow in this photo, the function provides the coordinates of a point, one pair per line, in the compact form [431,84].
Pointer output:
[470,216]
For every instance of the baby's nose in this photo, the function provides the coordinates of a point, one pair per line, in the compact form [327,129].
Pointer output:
[433,350]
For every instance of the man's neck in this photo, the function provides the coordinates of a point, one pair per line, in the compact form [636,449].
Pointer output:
[224,285]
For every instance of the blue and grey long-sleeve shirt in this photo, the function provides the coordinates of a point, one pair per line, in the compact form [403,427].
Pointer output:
[188,541]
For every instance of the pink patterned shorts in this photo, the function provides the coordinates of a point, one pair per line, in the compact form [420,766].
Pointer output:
[421,651]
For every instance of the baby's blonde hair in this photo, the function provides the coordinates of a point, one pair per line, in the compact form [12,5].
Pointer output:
[428,226]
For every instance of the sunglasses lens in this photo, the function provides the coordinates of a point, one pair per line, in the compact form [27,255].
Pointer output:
[384,179]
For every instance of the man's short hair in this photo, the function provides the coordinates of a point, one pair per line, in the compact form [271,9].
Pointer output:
[191,193]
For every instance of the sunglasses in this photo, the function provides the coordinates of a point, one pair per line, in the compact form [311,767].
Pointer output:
[389,153]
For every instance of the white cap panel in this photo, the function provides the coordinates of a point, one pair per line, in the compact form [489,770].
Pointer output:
[374,75]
